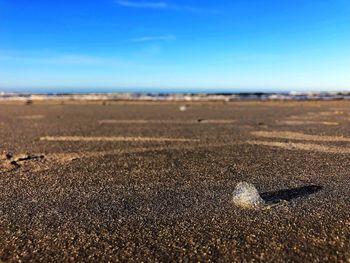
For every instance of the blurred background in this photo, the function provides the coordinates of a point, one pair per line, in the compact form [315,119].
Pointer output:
[174,46]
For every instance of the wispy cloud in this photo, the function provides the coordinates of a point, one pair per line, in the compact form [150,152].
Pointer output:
[163,6]
[142,4]
[153,38]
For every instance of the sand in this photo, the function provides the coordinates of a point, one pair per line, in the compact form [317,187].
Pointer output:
[154,184]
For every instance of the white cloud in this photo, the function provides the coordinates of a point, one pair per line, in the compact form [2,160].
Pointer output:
[153,38]
[164,6]
[142,4]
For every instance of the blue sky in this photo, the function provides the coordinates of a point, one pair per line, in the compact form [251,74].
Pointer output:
[174,45]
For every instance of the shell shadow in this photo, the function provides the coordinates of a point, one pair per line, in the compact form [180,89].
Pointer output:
[290,194]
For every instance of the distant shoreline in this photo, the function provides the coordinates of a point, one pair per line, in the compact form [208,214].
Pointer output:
[227,97]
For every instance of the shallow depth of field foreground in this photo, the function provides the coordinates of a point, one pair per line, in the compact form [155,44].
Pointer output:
[146,181]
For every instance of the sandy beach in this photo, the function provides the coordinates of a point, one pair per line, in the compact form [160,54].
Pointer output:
[144,181]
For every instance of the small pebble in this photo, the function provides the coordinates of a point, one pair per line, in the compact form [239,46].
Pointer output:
[183,108]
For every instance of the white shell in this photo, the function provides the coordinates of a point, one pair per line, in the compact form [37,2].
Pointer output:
[245,195]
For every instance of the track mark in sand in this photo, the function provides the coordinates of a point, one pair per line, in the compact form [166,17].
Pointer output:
[328,123]
[114,139]
[317,115]
[31,117]
[331,113]
[124,122]
[216,121]
[302,146]
[302,117]
[10,162]
[166,121]
[43,162]
[68,157]
[299,136]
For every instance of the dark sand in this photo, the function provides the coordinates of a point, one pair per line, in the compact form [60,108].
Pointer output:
[89,182]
